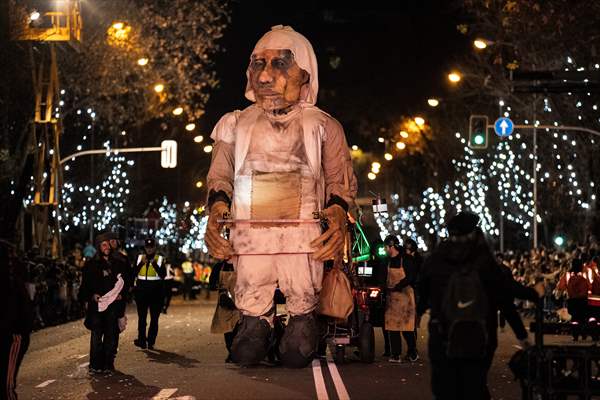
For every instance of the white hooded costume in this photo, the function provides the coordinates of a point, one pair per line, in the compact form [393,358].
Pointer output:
[280,167]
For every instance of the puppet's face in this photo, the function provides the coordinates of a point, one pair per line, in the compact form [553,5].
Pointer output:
[276,79]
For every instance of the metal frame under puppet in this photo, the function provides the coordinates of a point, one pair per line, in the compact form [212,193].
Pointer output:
[274,164]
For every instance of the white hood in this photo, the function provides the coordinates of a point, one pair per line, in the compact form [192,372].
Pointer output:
[285,38]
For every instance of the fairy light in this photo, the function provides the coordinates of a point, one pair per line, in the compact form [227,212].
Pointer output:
[194,238]
[103,202]
[506,169]
[167,232]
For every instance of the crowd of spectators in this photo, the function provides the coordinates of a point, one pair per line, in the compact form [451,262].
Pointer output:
[53,285]
[555,266]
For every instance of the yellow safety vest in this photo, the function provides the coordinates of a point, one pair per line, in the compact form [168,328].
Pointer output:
[148,272]
[187,267]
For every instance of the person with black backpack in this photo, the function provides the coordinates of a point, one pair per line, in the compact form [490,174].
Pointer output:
[464,287]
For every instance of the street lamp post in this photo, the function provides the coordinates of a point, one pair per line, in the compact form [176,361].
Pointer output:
[92,180]
[501,224]
[535,214]
[168,151]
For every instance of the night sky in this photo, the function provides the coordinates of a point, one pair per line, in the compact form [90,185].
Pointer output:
[374,58]
[395,53]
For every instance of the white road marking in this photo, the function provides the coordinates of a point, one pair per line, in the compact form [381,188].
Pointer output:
[45,383]
[319,380]
[77,356]
[164,394]
[337,379]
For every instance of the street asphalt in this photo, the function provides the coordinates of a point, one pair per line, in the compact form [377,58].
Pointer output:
[189,363]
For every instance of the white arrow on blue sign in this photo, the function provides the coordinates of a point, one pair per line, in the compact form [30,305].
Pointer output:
[504,127]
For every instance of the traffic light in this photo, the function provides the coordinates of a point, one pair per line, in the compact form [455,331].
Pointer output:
[478,132]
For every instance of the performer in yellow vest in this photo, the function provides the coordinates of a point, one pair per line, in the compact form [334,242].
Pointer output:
[188,280]
[205,280]
[149,292]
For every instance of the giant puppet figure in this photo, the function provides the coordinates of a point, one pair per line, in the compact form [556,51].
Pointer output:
[281,158]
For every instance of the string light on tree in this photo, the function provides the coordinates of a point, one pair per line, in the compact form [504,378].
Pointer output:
[507,169]
[167,232]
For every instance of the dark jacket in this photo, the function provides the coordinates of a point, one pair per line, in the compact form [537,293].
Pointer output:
[99,277]
[448,257]
[411,270]
[509,310]
[121,262]
[16,313]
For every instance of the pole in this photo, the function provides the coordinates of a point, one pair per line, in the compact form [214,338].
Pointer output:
[92,183]
[103,151]
[535,213]
[501,202]
[556,128]
[110,151]
[387,183]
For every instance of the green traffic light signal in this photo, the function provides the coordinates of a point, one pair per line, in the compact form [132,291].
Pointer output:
[478,132]
[479,139]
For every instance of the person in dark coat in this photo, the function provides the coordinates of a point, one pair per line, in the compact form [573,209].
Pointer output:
[414,262]
[466,246]
[16,319]
[379,278]
[150,272]
[509,311]
[103,281]
[119,257]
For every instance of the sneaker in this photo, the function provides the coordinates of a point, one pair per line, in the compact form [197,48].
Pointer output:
[412,358]
[395,360]
[94,371]
[150,346]
[139,343]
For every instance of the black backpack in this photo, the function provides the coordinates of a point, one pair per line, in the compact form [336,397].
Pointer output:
[464,314]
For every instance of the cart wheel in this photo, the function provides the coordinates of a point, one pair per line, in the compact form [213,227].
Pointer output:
[367,343]
[339,355]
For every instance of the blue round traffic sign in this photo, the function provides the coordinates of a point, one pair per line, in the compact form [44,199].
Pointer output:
[503,127]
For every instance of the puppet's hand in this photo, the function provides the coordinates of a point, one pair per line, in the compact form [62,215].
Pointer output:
[331,243]
[217,246]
